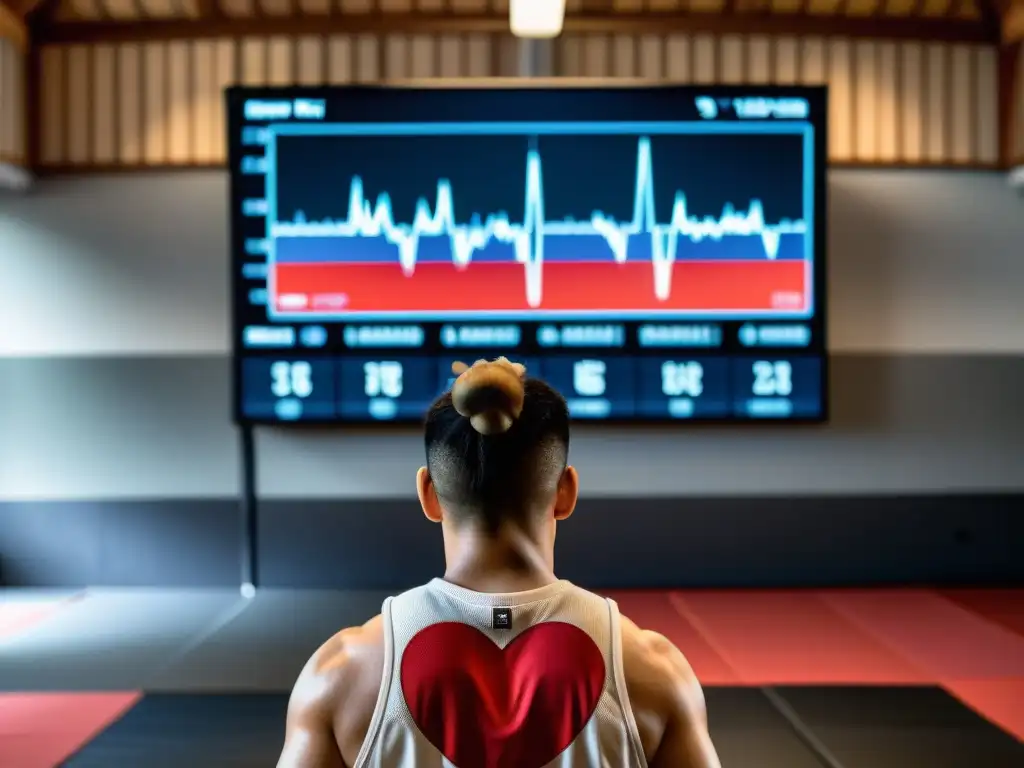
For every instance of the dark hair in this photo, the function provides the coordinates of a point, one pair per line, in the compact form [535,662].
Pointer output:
[497,443]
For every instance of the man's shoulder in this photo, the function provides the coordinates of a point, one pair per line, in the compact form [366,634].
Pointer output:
[342,669]
[348,656]
[340,684]
[660,683]
[646,651]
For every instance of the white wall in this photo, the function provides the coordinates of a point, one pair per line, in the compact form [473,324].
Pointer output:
[114,334]
[117,266]
[925,261]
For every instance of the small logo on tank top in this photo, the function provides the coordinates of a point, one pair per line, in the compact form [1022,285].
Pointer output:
[501,618]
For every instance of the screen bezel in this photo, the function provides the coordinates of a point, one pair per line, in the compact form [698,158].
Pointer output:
[816,95]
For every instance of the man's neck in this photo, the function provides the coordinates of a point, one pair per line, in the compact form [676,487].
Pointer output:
[513,560]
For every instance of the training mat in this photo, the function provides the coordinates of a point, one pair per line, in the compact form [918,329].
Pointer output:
[901,728]
[1000,701]
[110,640]
[21,610]
[940,637]
[655,610]
[177,730]
[749,733]
[1003,606]
[264,646]
[39,730]
[791,637]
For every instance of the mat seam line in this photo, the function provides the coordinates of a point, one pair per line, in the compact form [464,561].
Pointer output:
[220,621]
[678,602]
[803,731]
[930,676]
[59,606]
[973,613]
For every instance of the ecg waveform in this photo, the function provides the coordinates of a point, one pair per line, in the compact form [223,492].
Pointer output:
[529,239]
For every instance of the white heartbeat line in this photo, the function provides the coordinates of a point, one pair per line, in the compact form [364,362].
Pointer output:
[527,239]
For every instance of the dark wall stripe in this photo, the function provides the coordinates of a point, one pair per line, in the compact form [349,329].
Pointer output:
[624,543]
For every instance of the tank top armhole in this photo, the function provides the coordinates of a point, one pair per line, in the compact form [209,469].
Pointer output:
[619,676]
[385,689]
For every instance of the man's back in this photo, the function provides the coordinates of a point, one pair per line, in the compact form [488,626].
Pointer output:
[446,676]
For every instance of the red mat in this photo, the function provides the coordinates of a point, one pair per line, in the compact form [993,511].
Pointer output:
[654,611]
[792,638]
[1003,606]
[999,701]
[41,730]
[947,641]
[18,616]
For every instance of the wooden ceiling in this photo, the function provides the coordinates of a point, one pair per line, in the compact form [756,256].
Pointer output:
[83,21]
[12,27]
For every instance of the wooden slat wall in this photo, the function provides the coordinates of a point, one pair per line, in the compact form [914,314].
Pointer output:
[160,103]
[891,103]
[12,103]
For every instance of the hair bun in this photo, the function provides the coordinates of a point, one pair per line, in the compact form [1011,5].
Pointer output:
[489,394]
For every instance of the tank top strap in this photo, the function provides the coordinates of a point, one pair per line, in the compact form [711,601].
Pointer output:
[381,707]
[619,677]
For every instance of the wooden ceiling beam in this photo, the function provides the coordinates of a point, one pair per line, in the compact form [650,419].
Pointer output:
[32,8]
[12,26]
[35,10]
[209,9]
[992,14]
[936,30]
[1013,22]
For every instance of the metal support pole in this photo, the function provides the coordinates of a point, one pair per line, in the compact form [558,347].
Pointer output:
[248,506]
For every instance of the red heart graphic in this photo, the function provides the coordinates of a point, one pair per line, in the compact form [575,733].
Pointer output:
[484,707]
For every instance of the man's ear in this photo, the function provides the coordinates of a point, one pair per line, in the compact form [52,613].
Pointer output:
[428,496]
[568,493]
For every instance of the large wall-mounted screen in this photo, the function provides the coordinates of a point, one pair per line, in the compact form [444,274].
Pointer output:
[656,253]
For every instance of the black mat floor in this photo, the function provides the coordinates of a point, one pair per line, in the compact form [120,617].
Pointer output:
[171,730]
[902,728]
[752,728]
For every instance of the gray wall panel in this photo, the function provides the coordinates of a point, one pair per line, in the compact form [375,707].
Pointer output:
[110,428]
[924,261]
[106,428]
[118,265]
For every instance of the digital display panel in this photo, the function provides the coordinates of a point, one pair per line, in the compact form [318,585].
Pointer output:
[655,253]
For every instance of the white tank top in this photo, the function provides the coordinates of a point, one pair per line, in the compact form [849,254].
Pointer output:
[523,680]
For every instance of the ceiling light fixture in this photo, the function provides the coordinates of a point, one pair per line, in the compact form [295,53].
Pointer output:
[539,19]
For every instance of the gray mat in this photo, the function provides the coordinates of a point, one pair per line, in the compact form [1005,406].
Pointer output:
[34,594]
[110,639]
[264,646]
